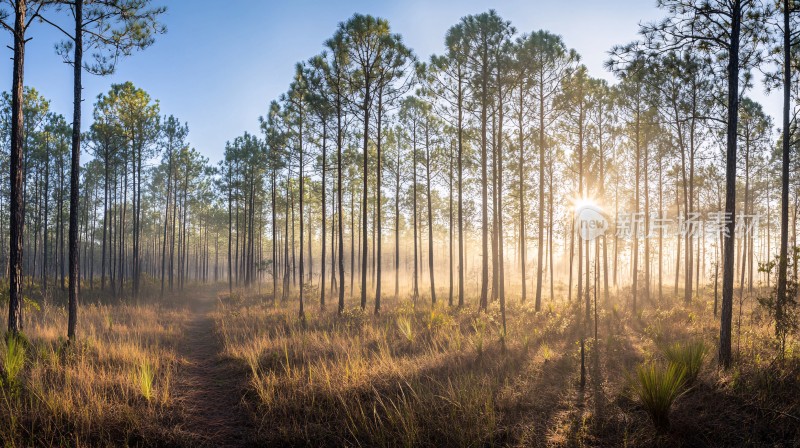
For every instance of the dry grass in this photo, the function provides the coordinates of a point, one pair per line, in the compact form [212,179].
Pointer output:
[374,381]
[446,377]
[111,388]
[413,376]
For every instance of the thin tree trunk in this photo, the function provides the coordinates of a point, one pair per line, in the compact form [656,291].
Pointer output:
[785,164]
[74,267]
[430,212]
[324,211]
[378,209]
[730,187]
[364,192]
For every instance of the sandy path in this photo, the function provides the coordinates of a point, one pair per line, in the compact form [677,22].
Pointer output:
[208,386]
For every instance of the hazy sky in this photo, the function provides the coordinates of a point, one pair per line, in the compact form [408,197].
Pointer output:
[221,62]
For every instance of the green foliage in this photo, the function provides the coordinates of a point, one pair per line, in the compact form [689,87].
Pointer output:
[784,311]
[265,266]
[30,304]
[546,352]
[479,325]
[354,318]
[112,29]
[234,299]
[657,387]
[440,321]
[688,356]
[14,359]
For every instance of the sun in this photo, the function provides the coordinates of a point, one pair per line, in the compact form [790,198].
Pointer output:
[584,202]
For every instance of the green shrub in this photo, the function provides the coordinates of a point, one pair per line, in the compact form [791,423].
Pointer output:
[440,321]
[354,319]
[783,309]
[479,325]
[689,356]
[657,388]
[14,359]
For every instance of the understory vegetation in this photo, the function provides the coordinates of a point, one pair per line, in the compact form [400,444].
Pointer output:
[448,377]
[412,376]
[111,387]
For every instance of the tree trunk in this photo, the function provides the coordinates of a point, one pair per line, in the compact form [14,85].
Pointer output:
[522,242]
[74,267]
[430,211]
[339,203]
[166,219]
[378,210]
[484,200]
[397,225]
[460,124]
[364,235]
[415,294]
[302,235]
[230,232]
[785,164]
[540,248]
[450,224]
[324,212]
[16,223]
[730,187]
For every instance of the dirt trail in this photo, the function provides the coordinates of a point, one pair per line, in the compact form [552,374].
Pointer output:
[208,386]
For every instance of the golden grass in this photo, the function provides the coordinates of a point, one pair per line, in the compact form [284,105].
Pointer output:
[92,392]
[446,377]
[412,376]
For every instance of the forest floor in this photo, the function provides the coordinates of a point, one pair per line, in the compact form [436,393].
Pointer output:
[200,369]
[437,376]
[208,386]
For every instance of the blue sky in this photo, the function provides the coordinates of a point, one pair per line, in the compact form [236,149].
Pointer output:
[221,62]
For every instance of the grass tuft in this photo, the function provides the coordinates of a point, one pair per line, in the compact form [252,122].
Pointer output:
[14,359]
[657,387]
[406,328]
[145,377]
[688,356]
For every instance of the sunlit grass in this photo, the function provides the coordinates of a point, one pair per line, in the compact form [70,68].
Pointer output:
[113,380]
[402,378]
[413,375]
[406,328]
[417,375]
[145,377]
